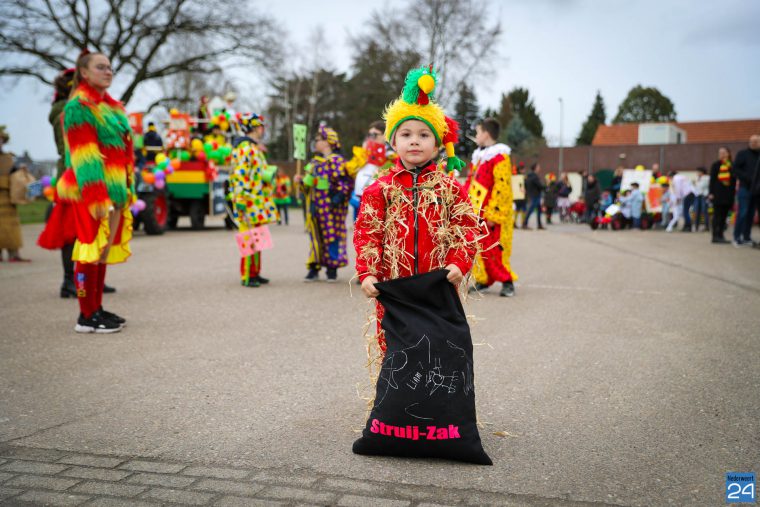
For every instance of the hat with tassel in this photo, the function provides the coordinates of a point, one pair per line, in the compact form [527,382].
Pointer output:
[417,102]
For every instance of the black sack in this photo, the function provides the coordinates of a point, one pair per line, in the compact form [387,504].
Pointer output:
[425,399]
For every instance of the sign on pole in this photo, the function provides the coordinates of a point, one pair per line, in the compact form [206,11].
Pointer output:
[299,141]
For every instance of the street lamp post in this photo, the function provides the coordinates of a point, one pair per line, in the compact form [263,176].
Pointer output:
[561,147]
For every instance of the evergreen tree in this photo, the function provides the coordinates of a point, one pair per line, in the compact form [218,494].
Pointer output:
[377,73]
[645,105]
[516,134]
[597,117]
[466,112]
[505,112]
[522,105]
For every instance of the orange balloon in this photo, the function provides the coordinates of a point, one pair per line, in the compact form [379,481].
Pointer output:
[149,178]
[48,192]
[176,163]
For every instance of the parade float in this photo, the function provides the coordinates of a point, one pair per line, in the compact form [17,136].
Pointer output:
[187,177]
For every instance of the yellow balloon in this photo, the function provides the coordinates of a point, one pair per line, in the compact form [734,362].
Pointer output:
[197,145]
[160,158]
[640,167]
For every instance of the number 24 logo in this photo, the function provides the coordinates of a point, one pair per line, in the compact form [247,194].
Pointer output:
[739,492]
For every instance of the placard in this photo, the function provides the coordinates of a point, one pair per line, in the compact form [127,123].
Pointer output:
[299,141]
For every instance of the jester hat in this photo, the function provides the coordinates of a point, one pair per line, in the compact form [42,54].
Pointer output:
[417,102]
[249,121]
[330,136]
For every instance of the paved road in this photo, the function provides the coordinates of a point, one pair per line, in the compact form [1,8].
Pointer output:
[625,372]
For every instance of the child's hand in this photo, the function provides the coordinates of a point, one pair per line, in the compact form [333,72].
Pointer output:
[455,275]
[368,287]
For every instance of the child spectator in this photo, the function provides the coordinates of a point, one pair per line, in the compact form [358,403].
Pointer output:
[637,202]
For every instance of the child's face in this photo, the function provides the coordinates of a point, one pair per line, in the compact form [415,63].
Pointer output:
[414,143]
[481,136]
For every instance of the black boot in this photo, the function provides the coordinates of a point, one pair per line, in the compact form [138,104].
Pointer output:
[332,275]
[68,289]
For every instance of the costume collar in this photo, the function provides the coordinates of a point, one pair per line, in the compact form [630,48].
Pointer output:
[426,168]
[487,153]
[91,95]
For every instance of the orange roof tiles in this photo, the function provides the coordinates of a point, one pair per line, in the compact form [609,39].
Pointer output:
[696,132]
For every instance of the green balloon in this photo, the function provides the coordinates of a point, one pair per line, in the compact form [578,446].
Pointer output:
[184,155]
[208,148]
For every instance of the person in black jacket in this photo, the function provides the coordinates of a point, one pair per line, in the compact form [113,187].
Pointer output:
[591,197]
[550,196]
[746,169]
[534,187]
[152,142]
[722,190]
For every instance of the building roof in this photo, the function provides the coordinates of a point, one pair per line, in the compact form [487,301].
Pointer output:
[696,132]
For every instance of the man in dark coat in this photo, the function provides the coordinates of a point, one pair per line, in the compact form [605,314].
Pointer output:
[534,187]
[746,169]
[591,196]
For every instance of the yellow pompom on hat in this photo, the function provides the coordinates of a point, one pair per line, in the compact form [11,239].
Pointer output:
[417,102]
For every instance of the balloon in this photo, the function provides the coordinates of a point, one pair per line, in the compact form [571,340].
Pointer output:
[224,125]
[185,155]
[53,181]
[640,167]
[226,150]
[149,178]
[160,175]
[45,180]
[176,163]
[196,145]
[173,111]
[48,192]
[160,158]
[170,170]
[164,164]
[207,147]
[215,145]
[160,184]
[201,155]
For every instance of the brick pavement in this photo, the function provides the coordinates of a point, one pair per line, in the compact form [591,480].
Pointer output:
[32,476]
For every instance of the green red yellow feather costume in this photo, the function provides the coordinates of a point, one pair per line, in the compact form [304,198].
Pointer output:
[100,174]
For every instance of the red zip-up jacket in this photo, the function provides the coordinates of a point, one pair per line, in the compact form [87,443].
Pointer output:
[428,213]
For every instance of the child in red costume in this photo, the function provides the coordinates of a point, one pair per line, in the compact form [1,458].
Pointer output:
[417,218]
[490,189]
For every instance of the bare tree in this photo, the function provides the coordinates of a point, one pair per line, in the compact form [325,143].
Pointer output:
[456,36]
[145,39]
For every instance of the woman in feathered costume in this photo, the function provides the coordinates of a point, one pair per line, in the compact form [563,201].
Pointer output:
[99,183]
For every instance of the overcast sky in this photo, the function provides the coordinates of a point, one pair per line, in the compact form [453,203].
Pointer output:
[704,55]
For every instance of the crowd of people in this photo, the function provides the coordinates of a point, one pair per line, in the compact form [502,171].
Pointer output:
[704,203]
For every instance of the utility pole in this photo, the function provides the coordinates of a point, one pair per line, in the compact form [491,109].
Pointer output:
[561,147]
